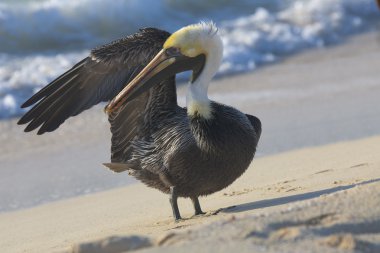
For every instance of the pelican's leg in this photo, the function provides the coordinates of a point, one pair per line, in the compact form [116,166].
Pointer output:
[173,201]
[197,206]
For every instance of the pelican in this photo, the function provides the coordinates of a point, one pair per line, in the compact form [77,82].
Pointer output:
[184,152]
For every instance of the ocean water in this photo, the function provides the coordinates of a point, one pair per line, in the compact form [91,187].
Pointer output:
[40,39]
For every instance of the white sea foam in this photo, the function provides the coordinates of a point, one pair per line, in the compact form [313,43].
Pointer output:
[40,40]
[264,36]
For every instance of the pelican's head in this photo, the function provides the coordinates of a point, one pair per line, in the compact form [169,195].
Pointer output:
[196,40]
[195,47]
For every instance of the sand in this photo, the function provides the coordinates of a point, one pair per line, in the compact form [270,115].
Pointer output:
[335,188]
[313,186]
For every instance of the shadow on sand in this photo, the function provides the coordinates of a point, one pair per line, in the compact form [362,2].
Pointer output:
[289,199]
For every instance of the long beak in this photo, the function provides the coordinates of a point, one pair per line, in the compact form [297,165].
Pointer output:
[140,83]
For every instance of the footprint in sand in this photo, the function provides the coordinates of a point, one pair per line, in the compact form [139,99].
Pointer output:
[235,193]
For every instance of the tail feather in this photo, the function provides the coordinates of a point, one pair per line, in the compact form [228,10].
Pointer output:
[117,167]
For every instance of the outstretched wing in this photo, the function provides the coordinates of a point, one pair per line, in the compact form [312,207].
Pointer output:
[97,78]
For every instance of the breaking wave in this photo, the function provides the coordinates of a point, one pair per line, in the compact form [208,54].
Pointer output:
[41,39]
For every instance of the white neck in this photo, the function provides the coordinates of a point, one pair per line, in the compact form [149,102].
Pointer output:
[197,100]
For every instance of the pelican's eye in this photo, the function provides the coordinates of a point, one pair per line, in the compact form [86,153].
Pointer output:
[171,51]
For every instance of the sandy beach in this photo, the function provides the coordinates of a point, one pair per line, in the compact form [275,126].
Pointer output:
[335,188]
[313,186]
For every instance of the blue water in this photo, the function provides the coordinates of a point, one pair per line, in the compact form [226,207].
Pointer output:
[40,39]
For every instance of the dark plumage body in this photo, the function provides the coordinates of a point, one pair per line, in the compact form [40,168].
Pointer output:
[152,137]
[198,156]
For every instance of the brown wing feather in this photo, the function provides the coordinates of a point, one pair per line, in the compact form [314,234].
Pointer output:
[97,78]
[125,124]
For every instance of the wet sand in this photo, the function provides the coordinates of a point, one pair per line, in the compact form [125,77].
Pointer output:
[314,98]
